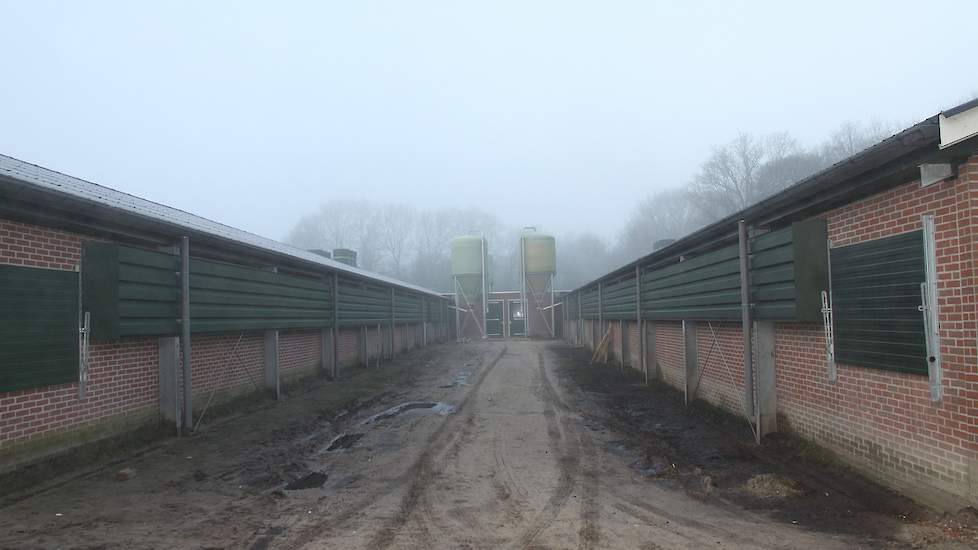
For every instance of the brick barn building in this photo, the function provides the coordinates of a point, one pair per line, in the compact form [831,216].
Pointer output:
[74,254]
[859,285]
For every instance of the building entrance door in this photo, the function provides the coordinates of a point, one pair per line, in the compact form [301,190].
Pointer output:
[494,318]
[517,318]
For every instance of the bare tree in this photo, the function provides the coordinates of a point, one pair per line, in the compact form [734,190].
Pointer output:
[663,215]
[852,137]
[397,229]
[341,224]
[780,173]
[582,258]
[745,171]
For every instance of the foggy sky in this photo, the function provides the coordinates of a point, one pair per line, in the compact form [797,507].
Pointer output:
[555,114]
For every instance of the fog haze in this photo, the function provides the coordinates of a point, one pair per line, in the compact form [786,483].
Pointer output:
[560,115]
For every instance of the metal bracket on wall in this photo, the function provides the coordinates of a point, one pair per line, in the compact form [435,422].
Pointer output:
[84,324]
[84,332]
[828,320]
[828,329]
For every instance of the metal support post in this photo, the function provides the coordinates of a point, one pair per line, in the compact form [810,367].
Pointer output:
[745,321]
[336,326]
[691,360]
[767,391]
[600,334]
[526,308]
[641,324]
[485,287]
[188,401]
[272,381]
[930,308]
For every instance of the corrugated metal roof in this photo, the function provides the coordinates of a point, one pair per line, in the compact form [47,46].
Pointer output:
[62,184]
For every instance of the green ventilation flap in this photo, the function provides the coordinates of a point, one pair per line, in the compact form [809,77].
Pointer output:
[38,327]
[704,287]
[226,297]
[788,271]
[875,295]
[589,303]
[434,310]
[362,303]
[618,299]
[407,307]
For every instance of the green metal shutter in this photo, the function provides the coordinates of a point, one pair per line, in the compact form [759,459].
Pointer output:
[407,306]
[589,303]
[225,297]
[133,292]
[875,296]
[362,303]
[789,271]
[705,287]
[38,327]
[618,299]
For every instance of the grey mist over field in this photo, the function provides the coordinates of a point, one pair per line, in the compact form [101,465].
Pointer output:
[390,127]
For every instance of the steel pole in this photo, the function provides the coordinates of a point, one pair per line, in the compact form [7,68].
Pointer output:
[188,403]
[641,325]
[336,326]
[580,321]
[485,288]
[746,320]
[458,328]
[526,314]
[553,322]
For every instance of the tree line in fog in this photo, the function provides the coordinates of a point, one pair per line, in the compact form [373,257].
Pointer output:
[414,244]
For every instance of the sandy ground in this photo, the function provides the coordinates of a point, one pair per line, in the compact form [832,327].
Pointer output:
[533,449]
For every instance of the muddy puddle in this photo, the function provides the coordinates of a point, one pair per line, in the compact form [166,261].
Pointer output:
[312,480]
[343,441]
[413,409]
[461,379]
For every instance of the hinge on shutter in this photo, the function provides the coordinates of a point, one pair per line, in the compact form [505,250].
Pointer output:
[829,335]
[83,339]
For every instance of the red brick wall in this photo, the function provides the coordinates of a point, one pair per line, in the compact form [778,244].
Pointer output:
[885,422]
[720,359]
[614,343]
[669,352]
[299,349]
[34,246]
[223,364]
[376,337]
[122,382]
[634,353]
[349,346]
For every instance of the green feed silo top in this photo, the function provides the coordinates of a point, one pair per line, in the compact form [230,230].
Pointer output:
[539,253]
[467,256]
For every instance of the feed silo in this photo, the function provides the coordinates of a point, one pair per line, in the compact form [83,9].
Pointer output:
[469,258]
[538,258]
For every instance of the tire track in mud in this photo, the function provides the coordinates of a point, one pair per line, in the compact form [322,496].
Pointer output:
[572,445]
[423,469]
[329,524]
[661,518]
[590,511]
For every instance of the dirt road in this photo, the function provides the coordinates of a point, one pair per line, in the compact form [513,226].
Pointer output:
[481,445]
